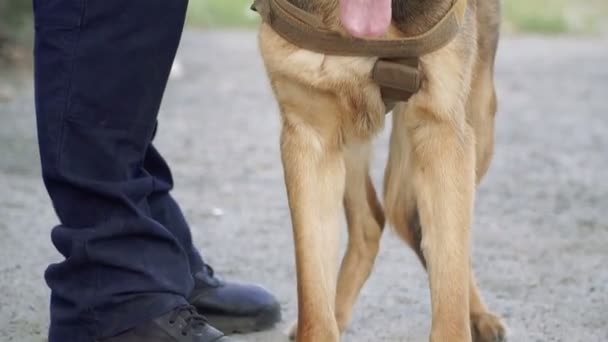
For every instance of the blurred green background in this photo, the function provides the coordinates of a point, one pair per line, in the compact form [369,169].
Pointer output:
[15,28]
[520,16]
[536,16]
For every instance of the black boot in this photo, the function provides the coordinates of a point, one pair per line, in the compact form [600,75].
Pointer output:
[182,324]
[234,308]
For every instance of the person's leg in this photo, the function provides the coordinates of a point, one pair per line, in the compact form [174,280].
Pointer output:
[165,210]
[230,307]
[100,71]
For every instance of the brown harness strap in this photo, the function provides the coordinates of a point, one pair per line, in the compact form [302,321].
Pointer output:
[399,79]
[396,71]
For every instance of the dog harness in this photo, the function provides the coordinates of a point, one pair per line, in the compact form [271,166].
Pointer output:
[396,71]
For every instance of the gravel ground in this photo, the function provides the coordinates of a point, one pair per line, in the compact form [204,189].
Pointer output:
[541,240]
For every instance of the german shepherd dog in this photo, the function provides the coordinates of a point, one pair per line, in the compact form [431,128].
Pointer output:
[440,148]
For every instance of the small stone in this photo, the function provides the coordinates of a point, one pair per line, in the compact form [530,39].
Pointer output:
[217,212]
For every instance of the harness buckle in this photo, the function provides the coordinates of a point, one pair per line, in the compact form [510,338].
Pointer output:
[399,79]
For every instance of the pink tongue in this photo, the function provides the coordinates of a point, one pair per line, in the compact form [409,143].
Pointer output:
[366,18]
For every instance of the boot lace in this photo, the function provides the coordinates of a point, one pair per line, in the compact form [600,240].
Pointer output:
[193,319]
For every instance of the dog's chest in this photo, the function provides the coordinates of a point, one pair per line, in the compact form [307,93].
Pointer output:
[347,80]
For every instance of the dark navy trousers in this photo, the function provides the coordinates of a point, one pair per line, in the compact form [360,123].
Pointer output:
[101,67]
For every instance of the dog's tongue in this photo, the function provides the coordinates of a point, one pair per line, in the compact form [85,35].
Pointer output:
[366,18]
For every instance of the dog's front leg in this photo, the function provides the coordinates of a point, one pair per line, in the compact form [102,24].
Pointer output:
[314,176]
[444,182]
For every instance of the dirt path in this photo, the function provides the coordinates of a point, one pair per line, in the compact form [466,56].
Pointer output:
[541,237]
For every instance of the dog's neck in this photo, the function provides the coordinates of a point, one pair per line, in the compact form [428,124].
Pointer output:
[412,17]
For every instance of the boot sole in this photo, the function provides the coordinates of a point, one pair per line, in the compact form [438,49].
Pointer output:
[246,324]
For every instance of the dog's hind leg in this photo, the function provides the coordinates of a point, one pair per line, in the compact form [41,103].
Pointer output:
[485,326]
[481,110]
[399,194]
[314,176]
[365,219]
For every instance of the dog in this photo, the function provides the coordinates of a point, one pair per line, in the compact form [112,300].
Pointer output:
[441,146]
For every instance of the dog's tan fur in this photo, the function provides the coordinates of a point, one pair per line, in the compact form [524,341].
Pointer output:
[441,146]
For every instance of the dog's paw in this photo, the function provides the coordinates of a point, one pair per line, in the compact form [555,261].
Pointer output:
[292,331]
[487,327]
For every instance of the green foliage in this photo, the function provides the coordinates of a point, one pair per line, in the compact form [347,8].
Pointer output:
[221,13]
[15,19]
[556,16]
[536,16]
[540,16]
